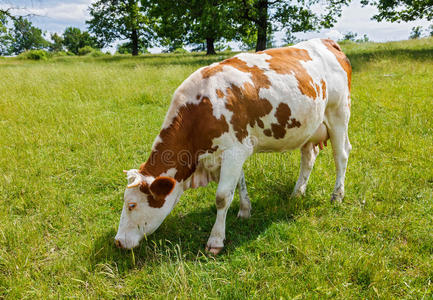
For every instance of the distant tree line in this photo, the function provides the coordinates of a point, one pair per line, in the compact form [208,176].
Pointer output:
[17,35]
[205,24]
[201,24]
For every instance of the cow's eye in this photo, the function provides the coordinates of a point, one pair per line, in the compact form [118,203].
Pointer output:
[131,206]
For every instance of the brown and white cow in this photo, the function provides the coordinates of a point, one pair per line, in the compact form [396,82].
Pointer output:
[273,100]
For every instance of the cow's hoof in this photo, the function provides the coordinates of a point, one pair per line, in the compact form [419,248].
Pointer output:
[244,214]
[337,198]
[297,194]
[214,250]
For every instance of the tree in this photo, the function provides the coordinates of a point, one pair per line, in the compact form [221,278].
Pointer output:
[248,37]
[296,16]
[21,36]
[25,36]
[126,48]
[350,36]
[415,33]
[57,44]
[195,22]
[353,36]
[75,39]
[5,37]
[401,10]
[119,20]
[430,30]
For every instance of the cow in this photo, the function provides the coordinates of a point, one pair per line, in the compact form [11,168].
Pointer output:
[275,100]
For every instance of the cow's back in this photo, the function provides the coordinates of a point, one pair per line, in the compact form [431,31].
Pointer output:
[275,99]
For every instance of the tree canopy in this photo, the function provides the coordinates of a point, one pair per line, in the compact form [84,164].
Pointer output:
[57,44]
[263,17]
[113,20]
[74,39]
[19,37]
[193,22]
[401,10]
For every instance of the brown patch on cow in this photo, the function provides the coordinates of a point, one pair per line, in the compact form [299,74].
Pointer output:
[211,70]
[258,76]
[278,131]
[288,61]
[219,93]
[189,135]
[160,188]
[198,97]
[323,89]
[247,108]
[283,115]
[152,201]
[341,58]
[260,123]
[267,132]
[244,102]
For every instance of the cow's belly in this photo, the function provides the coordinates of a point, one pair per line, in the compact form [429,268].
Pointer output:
[292,140]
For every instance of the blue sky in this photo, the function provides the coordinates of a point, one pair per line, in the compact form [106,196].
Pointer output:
[56,15]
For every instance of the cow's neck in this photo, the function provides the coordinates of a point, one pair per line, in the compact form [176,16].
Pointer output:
[173,151]
[189,134]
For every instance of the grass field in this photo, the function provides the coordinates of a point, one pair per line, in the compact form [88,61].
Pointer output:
[69,126]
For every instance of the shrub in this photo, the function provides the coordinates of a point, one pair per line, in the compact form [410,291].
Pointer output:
[35,55]
[85,50]
[97,53]
[60,53]
[180,50]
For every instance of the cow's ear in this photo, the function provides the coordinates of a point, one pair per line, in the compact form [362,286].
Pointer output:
[162,186]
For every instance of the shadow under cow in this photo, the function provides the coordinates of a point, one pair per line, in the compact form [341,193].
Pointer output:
[185,236]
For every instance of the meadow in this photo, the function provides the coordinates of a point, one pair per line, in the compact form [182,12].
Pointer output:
[70,125]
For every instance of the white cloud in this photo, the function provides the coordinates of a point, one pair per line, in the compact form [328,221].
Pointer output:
[63,11]
[357,18]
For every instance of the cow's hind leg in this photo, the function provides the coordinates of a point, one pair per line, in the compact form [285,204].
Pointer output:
[231,169]
[308,157]
[245,204]
[338,123]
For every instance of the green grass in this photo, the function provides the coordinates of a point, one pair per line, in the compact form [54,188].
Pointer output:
[70,125]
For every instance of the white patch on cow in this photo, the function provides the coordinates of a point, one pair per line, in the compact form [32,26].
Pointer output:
[255,59]
[336,76]
[186,93]
[170,172]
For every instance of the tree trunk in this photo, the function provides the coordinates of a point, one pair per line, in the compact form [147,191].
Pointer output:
[134,40]
[210,49]
[262,25]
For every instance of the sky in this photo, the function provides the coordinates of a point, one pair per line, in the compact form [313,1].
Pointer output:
[56,15]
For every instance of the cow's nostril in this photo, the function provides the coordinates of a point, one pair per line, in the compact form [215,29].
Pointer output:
[118,244]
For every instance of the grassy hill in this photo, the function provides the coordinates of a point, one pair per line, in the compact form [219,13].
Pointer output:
[70,125]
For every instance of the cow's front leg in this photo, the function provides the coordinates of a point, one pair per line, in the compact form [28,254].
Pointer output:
[231,169]
[245,204]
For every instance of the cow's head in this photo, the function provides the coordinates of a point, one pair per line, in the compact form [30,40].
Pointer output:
[148,201]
